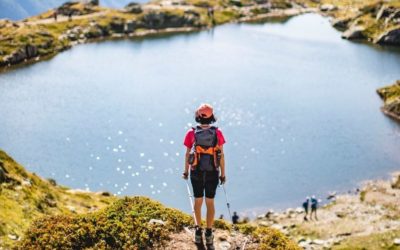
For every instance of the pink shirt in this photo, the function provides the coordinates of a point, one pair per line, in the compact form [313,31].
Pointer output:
[189,138]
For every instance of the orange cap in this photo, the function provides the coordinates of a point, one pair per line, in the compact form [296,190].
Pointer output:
[204,110]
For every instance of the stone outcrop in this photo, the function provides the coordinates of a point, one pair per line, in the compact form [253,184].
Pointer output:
[162,20]
[134,8]
[354,33]
[391,37]
[29,51]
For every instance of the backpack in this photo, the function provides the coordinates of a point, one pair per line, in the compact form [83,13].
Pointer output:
[205,153]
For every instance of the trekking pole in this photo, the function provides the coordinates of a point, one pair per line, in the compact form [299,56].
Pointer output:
[227,203]
[191,202]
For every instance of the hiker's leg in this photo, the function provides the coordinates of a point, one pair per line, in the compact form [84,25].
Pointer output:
[197,209]
[210,212]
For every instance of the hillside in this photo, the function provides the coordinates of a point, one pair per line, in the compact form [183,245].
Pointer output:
[25,197]
[39,214]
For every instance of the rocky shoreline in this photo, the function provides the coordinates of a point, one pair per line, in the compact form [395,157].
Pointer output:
[34,38]
[366,218]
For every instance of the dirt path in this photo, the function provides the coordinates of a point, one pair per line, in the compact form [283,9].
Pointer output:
[62,18]
[222,241]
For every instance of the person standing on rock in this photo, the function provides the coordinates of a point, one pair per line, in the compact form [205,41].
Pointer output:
[306,204]
[314,206]
[205,160]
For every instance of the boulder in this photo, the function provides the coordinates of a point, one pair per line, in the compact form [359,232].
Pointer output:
[3,176]
[391,37]
[341,24]
[161,20]
[15,57]
[354,33]
[327,7]
[117,26]
[396,183]
[133,8]
[131,25]
[396,241]
[386,12]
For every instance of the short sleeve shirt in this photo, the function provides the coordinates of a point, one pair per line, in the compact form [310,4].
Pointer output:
[189,138]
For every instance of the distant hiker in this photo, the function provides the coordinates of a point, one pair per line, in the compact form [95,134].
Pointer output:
[55,15]
[70,16]
[306,204]
[314,206]
[205,158]
[235,218]
[221,217]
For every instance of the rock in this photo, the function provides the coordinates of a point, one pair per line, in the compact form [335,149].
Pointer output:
[318,242]
[224,245]
[161,20]
[391,37]
[396,182]
[155,221]
[117,26]
[341,24]
[71,208]
[327,7]
[354,33]
[3,176]
[92,32]
[133,8]
[386,12]
[15,57]
[331,196]
[26,182]
[130,26]
[52,182]
[13,237]
[396,241]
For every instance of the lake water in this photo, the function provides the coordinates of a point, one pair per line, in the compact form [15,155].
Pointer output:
[297,105]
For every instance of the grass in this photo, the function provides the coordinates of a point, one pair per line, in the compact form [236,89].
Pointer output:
[370,242]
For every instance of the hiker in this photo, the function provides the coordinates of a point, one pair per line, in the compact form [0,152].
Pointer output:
[306,204]
[55,15]
[314,206]
[221,217]
[235,218]
[205,158]
[210,14]
[70,16]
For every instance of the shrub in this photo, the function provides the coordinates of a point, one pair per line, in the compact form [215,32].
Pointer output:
[123,225]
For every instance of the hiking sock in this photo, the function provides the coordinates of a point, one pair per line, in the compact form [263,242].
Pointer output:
[208,232]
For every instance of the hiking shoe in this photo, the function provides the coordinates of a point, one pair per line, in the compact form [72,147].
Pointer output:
[209,237]
[198,236]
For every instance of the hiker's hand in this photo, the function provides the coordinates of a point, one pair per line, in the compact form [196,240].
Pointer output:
[222,179]
[185,175]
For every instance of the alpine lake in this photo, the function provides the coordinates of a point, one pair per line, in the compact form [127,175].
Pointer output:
[296,103]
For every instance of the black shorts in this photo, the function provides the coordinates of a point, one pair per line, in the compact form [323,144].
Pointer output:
[204,181]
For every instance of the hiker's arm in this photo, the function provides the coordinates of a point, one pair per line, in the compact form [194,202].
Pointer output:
[222,162]
[186,168]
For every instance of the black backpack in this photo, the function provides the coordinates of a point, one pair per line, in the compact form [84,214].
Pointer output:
[205,152]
